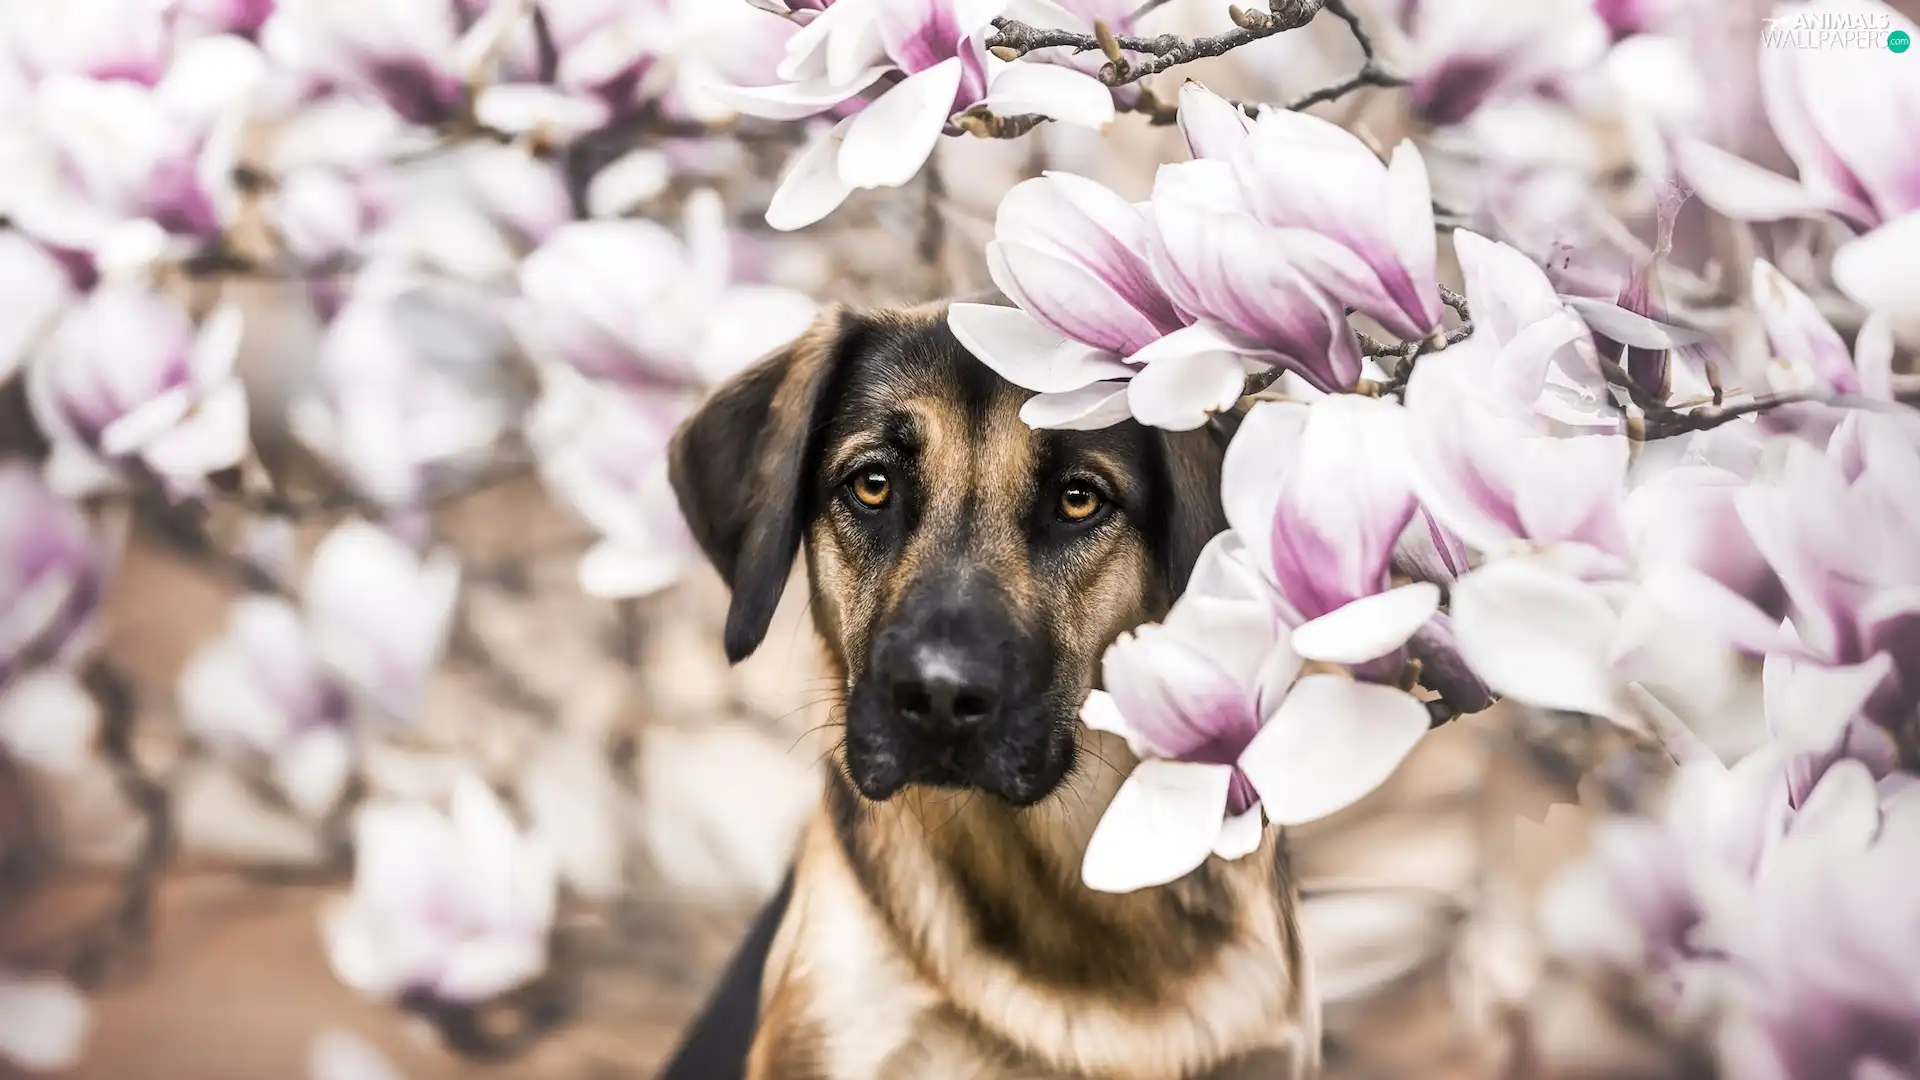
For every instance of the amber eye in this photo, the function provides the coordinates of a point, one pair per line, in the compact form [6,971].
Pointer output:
[1079,502]
[872,488]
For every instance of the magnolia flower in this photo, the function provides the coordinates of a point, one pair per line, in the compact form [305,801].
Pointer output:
[408,53]
[114,173]
[1073,255]
[527,195]
[51,577]
[125,376]
[1210,704]
[378,615]
[51,574]
[1809,355]
[409,381]
[1830,109]
[629,302]
[1839,529]
[604,450]
[44,1022]
[1255,298]
[1489,463]
[34,290]
[453,907]
[1783,918]
[241,17]
[115,39]
[323,214]
[1320,496]
[1461,55]
[929,59]
[604,59]
[259,689]
[1362,228]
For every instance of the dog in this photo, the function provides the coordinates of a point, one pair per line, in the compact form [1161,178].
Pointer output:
[967,573]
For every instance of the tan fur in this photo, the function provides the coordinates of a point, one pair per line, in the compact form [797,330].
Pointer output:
[943,934]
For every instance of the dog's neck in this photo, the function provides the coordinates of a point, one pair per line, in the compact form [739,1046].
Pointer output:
[986,901]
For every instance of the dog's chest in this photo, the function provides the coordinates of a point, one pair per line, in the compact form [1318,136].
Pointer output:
[848,1000]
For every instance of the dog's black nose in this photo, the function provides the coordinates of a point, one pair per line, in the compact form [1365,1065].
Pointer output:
[941,693]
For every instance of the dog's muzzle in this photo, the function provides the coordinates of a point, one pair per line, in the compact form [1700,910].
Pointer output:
[954,696]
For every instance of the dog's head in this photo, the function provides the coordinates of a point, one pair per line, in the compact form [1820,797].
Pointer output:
[967,571]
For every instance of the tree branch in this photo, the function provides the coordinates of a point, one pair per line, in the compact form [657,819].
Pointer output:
[1013,39]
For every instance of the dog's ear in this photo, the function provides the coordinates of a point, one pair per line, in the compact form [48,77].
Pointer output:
[739,467]
[1190,508]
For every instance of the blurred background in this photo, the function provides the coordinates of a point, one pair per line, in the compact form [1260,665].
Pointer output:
[410,285]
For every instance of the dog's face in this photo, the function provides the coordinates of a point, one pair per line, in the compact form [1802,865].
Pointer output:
[967,571]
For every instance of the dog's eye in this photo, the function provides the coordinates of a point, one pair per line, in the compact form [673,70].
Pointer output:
[1080,502]
[872,488]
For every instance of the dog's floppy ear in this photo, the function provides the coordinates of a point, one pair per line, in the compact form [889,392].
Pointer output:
[1191,513]
[739,468]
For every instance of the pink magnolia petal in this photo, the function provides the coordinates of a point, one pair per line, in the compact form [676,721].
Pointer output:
[1331,744]
[1023,351]
[1370,627]
[1249,476]
[1213,126]
[1073,298]
[1161,825]
[892,138]
[1808,352]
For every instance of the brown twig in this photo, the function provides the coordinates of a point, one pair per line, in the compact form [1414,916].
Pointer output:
[1013,39]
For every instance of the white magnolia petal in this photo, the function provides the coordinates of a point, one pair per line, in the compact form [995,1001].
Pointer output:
[1742,190]
[1370,627]
[812,187]
[1089,408]
[1214,127]
[1880,270]
[48,720]
[542,110]
[1537,636]
[341,1055]
[213,438]
[1842,812]
[1023,351]
[43,1022]
[892,138]
[1241,835]
[1332,742]
[134,428]
[217,346]
[1101,713]
[1051,90]
[1631,328]
[1185,380]
[612,570]
[313,769]
[482,969]
[792,101]
[634,178]
[1160,826]
[1809,705]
